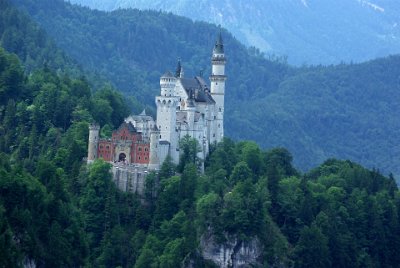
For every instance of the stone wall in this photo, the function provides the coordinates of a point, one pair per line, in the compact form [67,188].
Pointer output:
[129,178]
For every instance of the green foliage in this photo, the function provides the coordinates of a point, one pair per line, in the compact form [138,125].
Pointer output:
[312,249]
[189,148]
[56,212]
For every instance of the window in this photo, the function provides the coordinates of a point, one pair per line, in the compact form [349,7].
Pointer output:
[140,149]
[145,149]
[139,157]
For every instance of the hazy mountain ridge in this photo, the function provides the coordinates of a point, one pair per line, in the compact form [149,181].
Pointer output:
[311,32]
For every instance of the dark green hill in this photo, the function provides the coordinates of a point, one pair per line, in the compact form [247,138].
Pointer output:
[19,34]
[346,111]
[56,211]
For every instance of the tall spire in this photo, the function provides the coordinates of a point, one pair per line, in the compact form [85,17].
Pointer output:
[219,44]
[179,70]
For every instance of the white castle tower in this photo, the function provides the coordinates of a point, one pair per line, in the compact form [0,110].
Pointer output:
[94,130]
[218,79]
[166,113]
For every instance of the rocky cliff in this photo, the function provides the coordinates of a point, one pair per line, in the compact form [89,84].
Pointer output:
[233,252]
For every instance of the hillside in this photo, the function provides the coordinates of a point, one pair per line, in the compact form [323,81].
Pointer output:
[307,31]
[345,111]
[57,211]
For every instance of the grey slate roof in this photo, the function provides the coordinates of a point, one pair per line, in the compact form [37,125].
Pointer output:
[199,88]
[219,45]
[129,126]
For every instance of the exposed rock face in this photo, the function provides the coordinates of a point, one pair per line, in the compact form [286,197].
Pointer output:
[232,253]
[29,263]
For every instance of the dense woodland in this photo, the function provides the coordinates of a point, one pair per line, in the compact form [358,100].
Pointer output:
[348,111]
[55,211]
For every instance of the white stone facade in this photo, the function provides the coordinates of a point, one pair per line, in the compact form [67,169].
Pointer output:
[185,106]
[189,106]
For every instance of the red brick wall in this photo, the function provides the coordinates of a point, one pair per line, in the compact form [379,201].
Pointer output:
[105,150]
[141,153]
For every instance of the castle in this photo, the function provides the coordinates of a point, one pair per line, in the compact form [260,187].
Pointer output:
[185,106]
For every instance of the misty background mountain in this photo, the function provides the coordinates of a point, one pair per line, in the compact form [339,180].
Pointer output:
[306,31]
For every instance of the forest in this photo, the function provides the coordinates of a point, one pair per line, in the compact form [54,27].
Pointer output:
[347,111]
[55,211]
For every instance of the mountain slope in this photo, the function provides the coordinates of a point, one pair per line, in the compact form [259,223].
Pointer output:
[346,111]
[307,31]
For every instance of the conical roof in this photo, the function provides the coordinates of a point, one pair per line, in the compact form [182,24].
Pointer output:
[219,45]
[178,69]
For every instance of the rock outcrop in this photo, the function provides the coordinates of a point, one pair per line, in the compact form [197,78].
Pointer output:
[232,253]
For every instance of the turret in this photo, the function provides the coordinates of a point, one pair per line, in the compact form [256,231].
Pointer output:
[218,79]
[167,84]
[166,122]
[179,70]
[94,130]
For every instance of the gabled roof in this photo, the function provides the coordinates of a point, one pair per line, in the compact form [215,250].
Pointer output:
[139,118]
[129,126]
[198,87]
